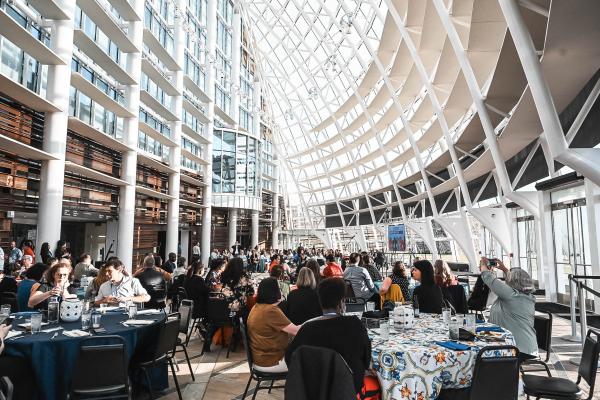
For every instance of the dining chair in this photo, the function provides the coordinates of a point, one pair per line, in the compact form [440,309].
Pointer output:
[549,387]
[495,376]
[163,351]
[106,354]
[218,317]
[258,376]
[6,388]
[543,332]
[355,304]
[186,309]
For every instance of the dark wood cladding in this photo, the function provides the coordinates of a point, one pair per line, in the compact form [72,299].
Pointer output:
[152,179]
[87,153]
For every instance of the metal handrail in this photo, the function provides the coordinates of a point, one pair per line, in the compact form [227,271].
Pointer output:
[581,292]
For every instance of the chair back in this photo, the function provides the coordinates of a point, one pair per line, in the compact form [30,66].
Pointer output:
[217,310]
[589,359]
[349,291]
[186,310]
[318,373]
[543,332]
[167,336]
[10,298]
[394,294]
[496,377]
[455,294]
[6,388]
[355,304]
[246,342]
[103,353]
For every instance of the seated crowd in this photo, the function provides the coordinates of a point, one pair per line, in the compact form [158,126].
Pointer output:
[302,302]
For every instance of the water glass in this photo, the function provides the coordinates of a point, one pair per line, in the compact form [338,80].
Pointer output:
[384,329]
[5,310]
[453,329]
[132,310]
[471,323]
[370,306]
[86,318]
[103,308]
[96,320]
[446,316]
[36,322]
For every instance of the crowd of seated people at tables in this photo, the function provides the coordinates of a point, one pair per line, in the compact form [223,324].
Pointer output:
[281,315]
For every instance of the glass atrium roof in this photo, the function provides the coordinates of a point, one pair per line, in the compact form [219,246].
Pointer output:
[315,55]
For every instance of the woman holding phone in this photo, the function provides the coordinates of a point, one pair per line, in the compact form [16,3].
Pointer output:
[514,309]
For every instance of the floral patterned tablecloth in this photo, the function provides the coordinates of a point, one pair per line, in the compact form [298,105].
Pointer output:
[411,366]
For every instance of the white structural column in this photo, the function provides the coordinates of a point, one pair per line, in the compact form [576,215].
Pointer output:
[133,66]
[175,151]
[234,81]
[254,229]
[211,41]
[232,222]
[275,231]
[55,130]
[584,161]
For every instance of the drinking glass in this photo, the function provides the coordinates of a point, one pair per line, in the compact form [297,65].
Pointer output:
[36,323]
[96,320]
[103,308]
[5,310]
[446,316]
[384,329]
[453,329]
[86,318]
[471,323]
[370,306]
[132,310]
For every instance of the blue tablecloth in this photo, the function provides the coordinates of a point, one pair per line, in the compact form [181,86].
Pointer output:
[53,360]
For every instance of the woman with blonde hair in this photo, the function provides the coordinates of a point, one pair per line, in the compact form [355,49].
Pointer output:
[303,303]
[443,275]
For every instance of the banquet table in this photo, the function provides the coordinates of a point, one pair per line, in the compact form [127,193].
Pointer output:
[53,357]
[410,365]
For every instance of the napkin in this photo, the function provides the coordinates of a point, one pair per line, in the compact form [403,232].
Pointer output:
[489,329]
[133,322]
[28,324]
[453,345]
[76,333]
[149,311]
[13,334]
[51,329]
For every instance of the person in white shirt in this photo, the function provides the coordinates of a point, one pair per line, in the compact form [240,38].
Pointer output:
[120,287]
[196,250]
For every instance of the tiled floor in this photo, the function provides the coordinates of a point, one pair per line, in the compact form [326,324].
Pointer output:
[221,378]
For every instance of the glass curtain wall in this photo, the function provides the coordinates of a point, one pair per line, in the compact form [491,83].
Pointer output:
[235,163]
[571,239]
[526,235]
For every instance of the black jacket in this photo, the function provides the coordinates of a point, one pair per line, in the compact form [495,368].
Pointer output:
[154,282]
[197,291]
[430,298]
[302,304]
[316,373]
[345,335]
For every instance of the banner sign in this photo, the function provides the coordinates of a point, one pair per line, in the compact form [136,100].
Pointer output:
[396,238]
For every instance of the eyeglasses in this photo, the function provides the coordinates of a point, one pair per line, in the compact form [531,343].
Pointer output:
[63,275]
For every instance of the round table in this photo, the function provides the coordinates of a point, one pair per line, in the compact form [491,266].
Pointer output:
[410,365]
[53,359]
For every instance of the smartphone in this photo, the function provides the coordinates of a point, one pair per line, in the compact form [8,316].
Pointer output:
[492,262]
